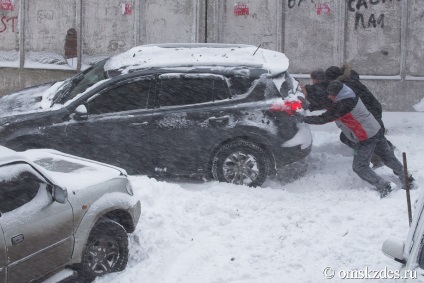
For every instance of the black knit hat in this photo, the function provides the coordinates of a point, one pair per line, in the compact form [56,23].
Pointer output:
[334,88]
[332,73]
[318,74]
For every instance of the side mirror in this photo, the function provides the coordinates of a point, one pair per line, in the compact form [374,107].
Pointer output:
[59,194]
[80,113]
[394,250]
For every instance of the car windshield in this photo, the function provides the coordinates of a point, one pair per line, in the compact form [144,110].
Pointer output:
[80,83]
[62,166]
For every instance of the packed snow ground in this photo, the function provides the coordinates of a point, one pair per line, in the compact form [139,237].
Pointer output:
[216,232]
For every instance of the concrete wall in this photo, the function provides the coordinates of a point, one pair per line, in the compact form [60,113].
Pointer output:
[382,39]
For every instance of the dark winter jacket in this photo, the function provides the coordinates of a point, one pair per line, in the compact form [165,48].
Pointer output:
[351,79]
[350,115]
[317,96]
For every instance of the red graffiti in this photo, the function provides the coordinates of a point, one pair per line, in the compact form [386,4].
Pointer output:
[6,5]
[126,8]
[5,20]
[241,9]
[323,8]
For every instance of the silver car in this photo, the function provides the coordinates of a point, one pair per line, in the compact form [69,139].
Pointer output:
[60,212]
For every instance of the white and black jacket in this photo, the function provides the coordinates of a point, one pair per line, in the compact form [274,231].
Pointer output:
[350,115]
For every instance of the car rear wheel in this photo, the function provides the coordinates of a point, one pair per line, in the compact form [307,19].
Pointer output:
[242,163]
[106,250]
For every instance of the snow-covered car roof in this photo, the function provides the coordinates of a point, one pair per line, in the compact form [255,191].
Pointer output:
[198,55]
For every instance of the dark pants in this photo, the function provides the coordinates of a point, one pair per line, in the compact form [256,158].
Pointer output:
[375,160]
[347,141]
[363,153]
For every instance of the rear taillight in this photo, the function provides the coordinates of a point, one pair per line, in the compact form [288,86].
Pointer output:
[290,107]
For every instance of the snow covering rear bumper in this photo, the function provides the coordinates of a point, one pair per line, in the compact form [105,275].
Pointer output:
[288,155]
[295,149]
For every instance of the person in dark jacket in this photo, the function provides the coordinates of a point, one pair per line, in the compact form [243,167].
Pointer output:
[351,78]
[316,93]
[362,128]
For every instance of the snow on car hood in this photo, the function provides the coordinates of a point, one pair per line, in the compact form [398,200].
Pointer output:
[149,56]
[33,99]
[72,172]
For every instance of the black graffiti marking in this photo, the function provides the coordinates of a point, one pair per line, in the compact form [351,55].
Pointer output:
[45,14]
[115,44]
[352,5]
[372,21]
[364,4]
[292,3]
[359,18]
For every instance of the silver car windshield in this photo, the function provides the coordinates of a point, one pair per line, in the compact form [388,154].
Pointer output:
[61,166]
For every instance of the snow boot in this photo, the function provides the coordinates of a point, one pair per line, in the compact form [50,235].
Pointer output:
[387,189]
[412,184]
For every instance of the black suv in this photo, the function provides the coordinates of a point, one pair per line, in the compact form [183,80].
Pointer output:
[213,110]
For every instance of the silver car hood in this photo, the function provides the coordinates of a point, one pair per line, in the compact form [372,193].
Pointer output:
[72,172]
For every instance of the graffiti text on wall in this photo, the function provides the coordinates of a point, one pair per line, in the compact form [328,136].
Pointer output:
[7,5]
[321,7]
[5,23]
[126,8]
[45,15]
[355,6]
[115,45]
[241,9]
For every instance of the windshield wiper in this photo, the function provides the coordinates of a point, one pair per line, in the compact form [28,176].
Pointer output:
[63,94]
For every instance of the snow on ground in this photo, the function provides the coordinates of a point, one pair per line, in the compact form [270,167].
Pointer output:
[216,232]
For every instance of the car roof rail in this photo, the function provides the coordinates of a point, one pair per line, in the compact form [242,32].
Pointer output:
[198,45]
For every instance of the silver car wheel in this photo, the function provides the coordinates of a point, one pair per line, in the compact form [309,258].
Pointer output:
[106,251]
[103,254]
[240,168]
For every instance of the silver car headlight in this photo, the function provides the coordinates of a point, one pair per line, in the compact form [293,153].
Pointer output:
[129,188]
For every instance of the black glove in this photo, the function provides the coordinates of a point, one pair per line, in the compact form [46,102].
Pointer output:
[298,118]
[305,103]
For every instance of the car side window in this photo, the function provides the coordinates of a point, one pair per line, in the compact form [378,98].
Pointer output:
[18,186]
[240,85]
[191,89]
[126,96]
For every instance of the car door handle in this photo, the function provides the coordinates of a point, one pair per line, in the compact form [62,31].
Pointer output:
[17,239]
[139,124]
[220,121]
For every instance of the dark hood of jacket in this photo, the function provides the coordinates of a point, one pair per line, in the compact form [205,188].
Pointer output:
[351,79]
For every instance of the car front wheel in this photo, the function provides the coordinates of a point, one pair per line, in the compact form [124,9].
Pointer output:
[242,163]
[106,250]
